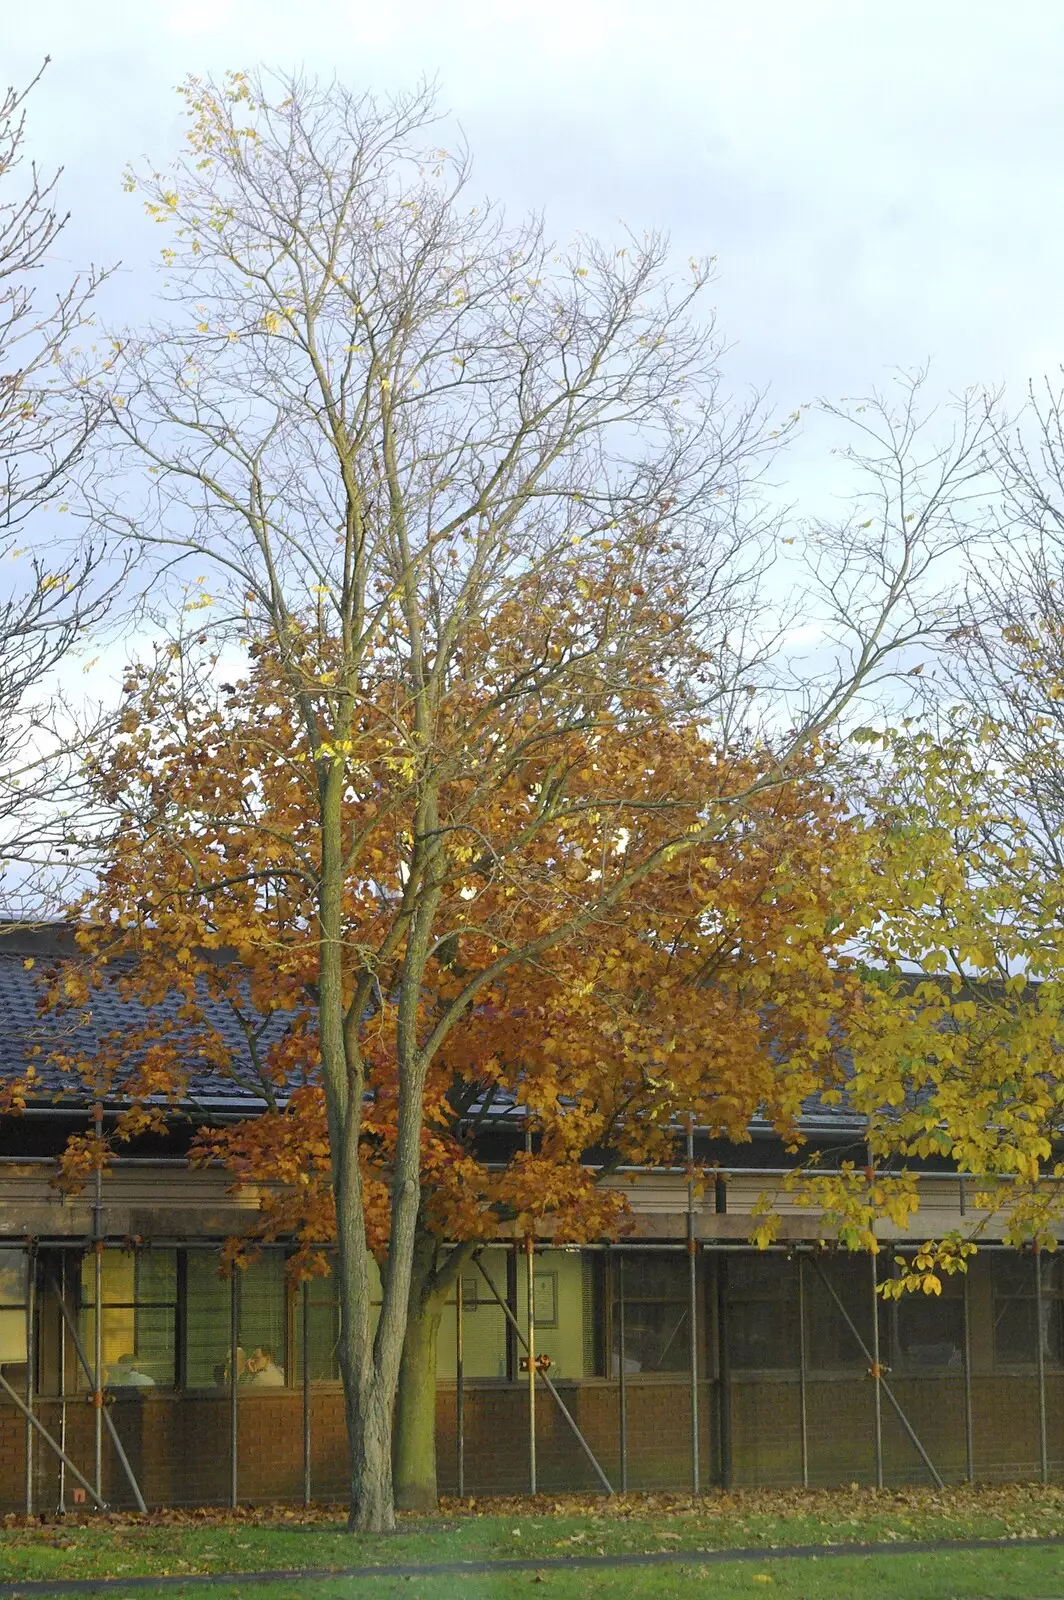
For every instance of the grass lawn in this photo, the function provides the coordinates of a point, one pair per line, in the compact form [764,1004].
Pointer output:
[184,1544]
[1014,1574]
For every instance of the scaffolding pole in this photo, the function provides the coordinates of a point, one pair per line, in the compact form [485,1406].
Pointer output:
[306,1391]
[622,1376]
[97,1296]
[234,1437]
[459,1387]
[63,1399]
[562,1407]
[31,1367]
[692,1294]
[1043,1442]
[887,1390]
[803,1412]
[530,1348]
[877,1372]
[724,1372]
[969,1428]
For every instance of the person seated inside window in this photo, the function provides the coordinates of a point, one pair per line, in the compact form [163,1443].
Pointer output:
[262,1370]
[125,1374]
[221,1371]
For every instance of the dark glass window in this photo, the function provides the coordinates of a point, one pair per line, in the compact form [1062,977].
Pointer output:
[762,1313]
[830,1340]
[1016,1313]
[928,1329]
[656,1314]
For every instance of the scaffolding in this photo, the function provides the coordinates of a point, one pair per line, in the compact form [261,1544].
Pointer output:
[52,1274]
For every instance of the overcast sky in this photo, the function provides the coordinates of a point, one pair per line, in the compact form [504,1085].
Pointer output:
[880,184]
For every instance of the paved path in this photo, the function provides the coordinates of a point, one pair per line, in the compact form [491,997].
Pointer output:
[436,1569]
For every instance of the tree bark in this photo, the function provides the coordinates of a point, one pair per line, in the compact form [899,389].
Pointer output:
[416,1488]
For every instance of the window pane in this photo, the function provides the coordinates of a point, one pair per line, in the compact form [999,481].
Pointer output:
[323,1342]
[930,1331]
[207,1322]
[1013,1275]
[830,1340]
[762,1312]
[1016,1332]
[484,1342]
[157,1276]
[655,1277]
[117,1277]
[762,1277]
[656,1337]
[762,1334]
[13,1277]
[12,1335]
[262,1321]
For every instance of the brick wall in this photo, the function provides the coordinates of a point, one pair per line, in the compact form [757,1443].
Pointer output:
[179,1445]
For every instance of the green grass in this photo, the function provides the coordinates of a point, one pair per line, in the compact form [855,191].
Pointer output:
[195,1542]
[1014,1574]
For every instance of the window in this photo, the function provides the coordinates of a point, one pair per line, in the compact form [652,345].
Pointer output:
[928,1329]
[324,1325]
[14,1288]
[829,1338]
[323,1331]
[207,1333]
[762,1313]
[1016,1330]
[656,1308]
[138,1317]
[262,1344]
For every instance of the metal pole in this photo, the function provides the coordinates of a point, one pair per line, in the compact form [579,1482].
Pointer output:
[622,1375]
[306,1391]
[692,1295]
[62,1397]
[803,1415]
[31,1363]
[724,1372]
[559,1402]
[1043,1445]
[877,1373]
[969,1430]
[98,1306]
[36,1422]
[459,1387]
[233,1413]
[79,1349]
[97,1245]
[530,1269]
[887,1390]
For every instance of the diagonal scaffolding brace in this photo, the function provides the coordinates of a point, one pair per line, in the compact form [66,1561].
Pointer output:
[35,1422]
[562,1407]
[100,1407]
[875,1368]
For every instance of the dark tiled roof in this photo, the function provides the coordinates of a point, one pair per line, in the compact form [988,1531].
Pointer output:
[27,1038]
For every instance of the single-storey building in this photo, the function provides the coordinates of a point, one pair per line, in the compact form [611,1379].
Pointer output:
[679,1356]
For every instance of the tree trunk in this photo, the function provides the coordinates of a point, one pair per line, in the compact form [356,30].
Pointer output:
[369,1431]
[415,1407]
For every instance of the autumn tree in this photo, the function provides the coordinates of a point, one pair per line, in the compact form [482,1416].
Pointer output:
[384,427]
[47,418]
[714,989]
